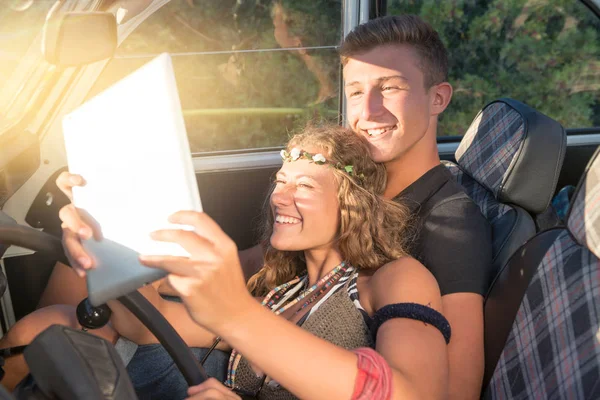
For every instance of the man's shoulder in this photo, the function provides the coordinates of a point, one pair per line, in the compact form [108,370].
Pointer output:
[454,240]
[452,201]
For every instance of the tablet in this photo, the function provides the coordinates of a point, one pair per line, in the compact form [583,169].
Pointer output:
[130,145]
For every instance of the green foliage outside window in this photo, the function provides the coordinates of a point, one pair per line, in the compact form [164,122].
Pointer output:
[248,99]
[545,53]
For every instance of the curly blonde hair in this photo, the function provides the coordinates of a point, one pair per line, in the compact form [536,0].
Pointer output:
[373,231]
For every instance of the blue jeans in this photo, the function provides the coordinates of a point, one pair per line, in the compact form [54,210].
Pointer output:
[155,375]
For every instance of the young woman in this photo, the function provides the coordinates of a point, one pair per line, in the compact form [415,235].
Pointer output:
[345,313]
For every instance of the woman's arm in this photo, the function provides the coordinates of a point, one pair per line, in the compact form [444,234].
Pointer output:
[313,368]
[416,350]
[211,284]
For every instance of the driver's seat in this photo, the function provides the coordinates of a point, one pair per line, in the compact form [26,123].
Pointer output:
[545,308]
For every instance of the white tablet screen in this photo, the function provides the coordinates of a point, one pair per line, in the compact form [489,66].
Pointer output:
[130,145]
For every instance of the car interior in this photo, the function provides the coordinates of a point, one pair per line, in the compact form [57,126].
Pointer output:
[541,312]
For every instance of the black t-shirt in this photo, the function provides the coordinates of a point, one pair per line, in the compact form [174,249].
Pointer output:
[454,239]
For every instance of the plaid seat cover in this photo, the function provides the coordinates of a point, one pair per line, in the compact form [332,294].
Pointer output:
[584,216]
[485,155]
[489,206]
[553,350]
[488,149]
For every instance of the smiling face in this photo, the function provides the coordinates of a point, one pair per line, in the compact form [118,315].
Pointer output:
[305,206]
[387,101]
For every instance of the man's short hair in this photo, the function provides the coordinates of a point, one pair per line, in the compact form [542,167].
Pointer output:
[401,29]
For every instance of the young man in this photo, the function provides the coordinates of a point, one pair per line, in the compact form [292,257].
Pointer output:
[395,71]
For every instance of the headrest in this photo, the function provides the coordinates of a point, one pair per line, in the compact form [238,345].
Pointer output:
[583,219]
[515,152]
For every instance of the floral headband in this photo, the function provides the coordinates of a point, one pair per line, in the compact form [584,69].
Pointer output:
[319,159]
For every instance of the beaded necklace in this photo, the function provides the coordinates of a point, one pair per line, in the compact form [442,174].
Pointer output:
[324,283]
[271,301]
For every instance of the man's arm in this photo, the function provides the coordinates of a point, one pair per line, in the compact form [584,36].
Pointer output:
[464,311]
[457,249]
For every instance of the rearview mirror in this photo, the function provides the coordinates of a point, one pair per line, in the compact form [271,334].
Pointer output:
[79,38]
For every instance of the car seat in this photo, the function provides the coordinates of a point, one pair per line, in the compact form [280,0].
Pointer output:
[544,337]
[508,162]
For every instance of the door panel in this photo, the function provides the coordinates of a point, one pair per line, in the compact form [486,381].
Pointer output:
[235,200]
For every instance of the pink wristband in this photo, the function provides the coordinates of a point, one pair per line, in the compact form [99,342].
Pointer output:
[374,378]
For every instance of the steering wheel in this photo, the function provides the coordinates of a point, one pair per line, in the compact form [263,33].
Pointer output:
[12,233]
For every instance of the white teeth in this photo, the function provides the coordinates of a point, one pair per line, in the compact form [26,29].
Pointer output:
[379,131]
[283,219]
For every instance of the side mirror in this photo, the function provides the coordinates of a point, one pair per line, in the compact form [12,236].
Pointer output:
[78,38]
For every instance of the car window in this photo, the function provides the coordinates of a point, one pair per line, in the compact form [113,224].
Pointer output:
[545,53]
[248,72]
[20,26]
[20,23]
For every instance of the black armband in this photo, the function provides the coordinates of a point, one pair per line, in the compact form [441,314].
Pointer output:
[412,311]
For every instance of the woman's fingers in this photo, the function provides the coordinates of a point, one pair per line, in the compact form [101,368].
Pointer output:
[213,394]
[211,389]
[74,230]
[190,241]
[79,259]
[66,181]
[203,225]
[181,266]
[207,384]
[72,220]
[210,276]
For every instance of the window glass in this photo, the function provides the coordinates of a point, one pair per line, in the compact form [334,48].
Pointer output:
[545,53]
[21,22]
[241,87]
